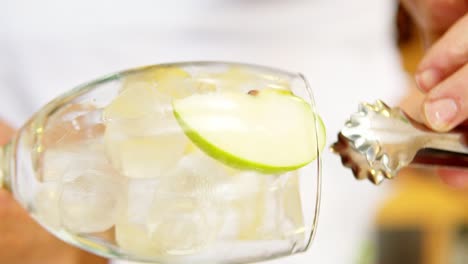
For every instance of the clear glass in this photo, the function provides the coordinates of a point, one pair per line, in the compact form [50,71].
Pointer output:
[101,184]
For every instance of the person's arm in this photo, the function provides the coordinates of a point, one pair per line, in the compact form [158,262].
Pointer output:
[23,241]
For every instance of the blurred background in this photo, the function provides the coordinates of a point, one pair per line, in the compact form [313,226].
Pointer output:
[350,51]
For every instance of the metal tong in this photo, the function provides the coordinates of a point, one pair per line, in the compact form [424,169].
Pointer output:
[378,141]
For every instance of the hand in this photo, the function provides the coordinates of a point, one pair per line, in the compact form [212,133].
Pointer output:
[23,241]
[442,74]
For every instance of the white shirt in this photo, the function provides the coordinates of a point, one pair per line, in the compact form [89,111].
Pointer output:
[344,48]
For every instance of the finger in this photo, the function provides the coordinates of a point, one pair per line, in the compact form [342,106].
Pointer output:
[445,57]
[411,103]
[6,132]
[446,105]
[453,177]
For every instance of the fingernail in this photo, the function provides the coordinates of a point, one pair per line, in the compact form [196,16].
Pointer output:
[440,113]
[427,79]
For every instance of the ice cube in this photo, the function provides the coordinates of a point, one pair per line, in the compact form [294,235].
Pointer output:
[148,157]
[252,206]
[58,161]
[245,197]
[185,212]
[242,204]
[169,80]
[135,238]
[175,226]
[292,222]
[91,199]
[181,225]
[68,127]
[262,206]
[139,199]
[143,139]
[183,216]
[131,230]
[138,101]
[72,124]
[239,185]
[195,175]
[177,88]
[45,204]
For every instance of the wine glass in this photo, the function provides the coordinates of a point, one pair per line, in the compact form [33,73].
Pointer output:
[105,167]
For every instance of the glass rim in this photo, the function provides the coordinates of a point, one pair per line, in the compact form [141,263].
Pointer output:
[318,162]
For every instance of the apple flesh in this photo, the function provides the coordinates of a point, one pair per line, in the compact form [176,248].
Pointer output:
[266,130]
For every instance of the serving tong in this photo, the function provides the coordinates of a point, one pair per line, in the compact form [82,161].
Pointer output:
[378,141]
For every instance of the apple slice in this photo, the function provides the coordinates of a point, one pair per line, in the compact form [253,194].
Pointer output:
[267,130]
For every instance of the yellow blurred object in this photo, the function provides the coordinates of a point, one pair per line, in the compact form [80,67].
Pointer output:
[422,203]
[422,200]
